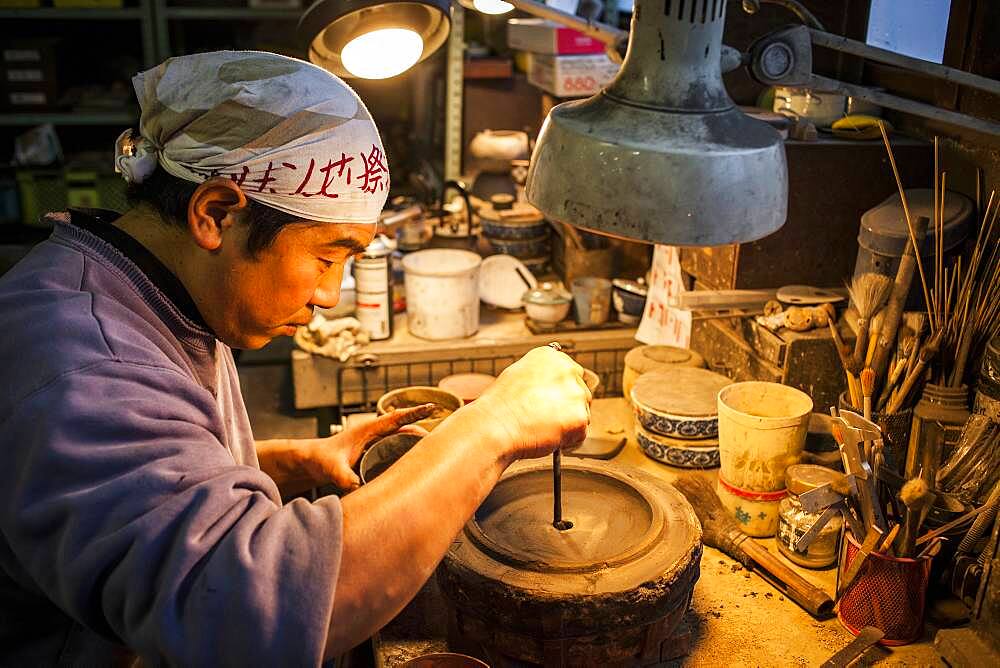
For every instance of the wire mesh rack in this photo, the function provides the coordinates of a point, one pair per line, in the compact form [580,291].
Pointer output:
[362,381]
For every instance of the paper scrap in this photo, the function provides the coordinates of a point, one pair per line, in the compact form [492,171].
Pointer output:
[661,324]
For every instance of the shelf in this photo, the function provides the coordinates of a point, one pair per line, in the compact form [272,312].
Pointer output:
[69,118]
[55,14]
[231,13]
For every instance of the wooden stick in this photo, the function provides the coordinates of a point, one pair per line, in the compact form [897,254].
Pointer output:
[909,223]
[893,312]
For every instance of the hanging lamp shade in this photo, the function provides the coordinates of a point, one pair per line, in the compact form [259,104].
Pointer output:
[662,154]
[373,39]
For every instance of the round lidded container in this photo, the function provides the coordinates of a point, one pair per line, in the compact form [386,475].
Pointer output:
[883,235]
[794,520]
[547,304]
[644,359]
[680,403]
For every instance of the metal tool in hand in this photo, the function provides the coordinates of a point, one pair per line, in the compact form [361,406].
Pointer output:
[557,519]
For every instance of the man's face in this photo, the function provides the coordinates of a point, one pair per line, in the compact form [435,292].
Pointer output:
[259,298]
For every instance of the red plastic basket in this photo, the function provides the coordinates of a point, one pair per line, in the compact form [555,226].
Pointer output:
[889,594]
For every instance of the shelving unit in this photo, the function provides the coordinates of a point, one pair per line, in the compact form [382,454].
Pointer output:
[56,13]
[68,118]
[165,13]
[143,13]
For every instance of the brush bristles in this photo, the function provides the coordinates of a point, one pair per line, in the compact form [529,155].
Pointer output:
[915,492]
[915,321]
[868,381]
[869,292]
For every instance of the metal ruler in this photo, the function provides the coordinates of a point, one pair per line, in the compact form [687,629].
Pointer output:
[454,82]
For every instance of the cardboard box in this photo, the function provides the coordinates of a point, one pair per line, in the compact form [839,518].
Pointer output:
[541,36]
[571,76]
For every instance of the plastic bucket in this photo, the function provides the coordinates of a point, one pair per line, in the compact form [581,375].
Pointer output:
[762,430]
[442,293]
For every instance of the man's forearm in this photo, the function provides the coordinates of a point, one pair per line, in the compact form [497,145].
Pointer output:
[282,460]
[398,527]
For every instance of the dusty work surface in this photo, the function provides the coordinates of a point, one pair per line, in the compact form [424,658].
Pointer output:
[736,618]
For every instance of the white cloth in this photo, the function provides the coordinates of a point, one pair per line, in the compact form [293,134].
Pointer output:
[292,135]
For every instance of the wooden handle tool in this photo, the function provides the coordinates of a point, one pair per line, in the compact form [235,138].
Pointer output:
[873,538]
[721,532]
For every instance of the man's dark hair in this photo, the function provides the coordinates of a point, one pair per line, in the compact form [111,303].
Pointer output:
[169,196]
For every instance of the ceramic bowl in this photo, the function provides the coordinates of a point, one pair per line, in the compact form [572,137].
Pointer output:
[514,231]
[677,452]
[406,397]
[547,314]
[383,453]
[468,386]
[522,248]
[547,304]
[629,299]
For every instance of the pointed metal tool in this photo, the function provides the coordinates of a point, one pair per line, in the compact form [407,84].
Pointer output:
[557,519]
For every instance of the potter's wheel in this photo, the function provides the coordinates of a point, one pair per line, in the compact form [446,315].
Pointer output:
[612,521]
[612,588]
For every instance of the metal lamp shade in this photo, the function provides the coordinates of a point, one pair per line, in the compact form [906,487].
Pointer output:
[662,155]
[329,25]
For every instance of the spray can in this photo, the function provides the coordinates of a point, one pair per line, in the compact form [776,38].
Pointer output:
[373,278]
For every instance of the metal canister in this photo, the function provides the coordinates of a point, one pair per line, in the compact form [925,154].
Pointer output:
[373,278]
[794,520]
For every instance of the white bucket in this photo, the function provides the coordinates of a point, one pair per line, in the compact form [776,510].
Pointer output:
[762,430]
[442,293]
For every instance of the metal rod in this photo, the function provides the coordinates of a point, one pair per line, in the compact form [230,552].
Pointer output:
[599,31]
[906,106]
[854,47]
[557,520]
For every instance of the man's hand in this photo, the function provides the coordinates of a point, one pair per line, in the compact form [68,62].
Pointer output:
[332,459]
[296,465]
[540,403]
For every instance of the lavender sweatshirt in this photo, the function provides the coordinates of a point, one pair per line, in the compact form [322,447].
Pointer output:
[133,515]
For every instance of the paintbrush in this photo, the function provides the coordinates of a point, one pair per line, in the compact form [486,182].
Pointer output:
[721,532]
[867,388]
[927,353]
[877,460]
[868,292]
[916,494]
[906,350]
[844,352]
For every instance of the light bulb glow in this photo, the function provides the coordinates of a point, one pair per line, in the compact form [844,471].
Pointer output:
[381,54]
[492,6]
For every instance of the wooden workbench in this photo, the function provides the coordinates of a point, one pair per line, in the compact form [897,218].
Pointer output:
[407,360]
[736,618]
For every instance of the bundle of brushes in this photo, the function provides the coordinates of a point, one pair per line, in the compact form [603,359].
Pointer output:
[961,299]
[868,294]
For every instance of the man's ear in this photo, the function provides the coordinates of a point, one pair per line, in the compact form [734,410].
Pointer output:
[214,207]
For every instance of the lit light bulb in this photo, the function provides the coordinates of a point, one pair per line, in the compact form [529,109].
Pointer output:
[381,54]
[492,6]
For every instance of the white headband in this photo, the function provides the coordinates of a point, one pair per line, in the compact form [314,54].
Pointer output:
[292,135]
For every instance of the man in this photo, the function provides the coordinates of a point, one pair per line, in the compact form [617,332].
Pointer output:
[137,515]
